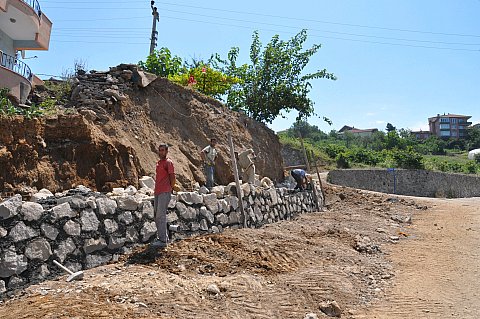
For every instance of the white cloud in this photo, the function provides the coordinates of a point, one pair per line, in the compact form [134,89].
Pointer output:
[380,122]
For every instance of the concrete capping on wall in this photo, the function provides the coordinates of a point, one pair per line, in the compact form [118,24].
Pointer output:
[84,229]
[408,182]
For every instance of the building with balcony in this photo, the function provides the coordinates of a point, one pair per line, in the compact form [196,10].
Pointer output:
[23,26]
[449,125]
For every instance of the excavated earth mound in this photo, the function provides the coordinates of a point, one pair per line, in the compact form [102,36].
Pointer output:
[112,141]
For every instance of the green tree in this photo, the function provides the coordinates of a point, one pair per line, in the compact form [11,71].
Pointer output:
[163,63]
[390,127]
[473,138]
[274,81]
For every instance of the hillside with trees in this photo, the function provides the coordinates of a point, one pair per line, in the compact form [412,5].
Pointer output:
[395,148]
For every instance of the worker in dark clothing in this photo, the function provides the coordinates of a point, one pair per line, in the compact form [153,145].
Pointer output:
[301,177]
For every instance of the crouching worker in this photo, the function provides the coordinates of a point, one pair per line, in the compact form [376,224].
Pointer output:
[301,177]
[164,185]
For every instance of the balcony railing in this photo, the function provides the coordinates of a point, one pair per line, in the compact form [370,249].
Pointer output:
[12,63]
[35,5]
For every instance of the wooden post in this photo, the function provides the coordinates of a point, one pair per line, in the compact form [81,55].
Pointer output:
[308,170]
[237,180]
[315,160]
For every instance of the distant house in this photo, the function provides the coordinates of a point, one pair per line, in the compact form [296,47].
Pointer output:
[449,125]
[23,26]
[357,132]
[421,135]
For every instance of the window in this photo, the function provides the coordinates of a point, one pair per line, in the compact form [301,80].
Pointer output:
[445,133]
[453,120]
[461,120]
[454,126]
[444,126]
[444,120]
[454,133]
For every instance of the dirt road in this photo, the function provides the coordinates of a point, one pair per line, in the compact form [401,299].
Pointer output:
[376,255]
[438,272]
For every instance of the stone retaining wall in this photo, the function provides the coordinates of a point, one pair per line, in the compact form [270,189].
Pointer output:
[409,182]
[83,229]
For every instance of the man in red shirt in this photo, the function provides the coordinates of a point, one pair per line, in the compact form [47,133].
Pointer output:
[164,184]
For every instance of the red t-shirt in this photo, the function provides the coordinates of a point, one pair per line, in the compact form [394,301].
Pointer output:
[162,179]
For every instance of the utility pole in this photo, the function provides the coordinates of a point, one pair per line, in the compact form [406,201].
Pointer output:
[153,38]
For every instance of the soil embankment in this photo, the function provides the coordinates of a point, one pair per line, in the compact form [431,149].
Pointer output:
[113,143]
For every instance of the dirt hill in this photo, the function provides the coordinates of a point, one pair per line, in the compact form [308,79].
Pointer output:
[109,134]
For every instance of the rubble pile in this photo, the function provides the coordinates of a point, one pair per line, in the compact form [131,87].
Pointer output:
[84,229]
[99,91]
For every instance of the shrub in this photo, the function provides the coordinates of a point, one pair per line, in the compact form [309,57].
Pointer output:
[342,161]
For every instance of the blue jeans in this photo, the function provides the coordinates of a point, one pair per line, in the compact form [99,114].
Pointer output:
[209,172]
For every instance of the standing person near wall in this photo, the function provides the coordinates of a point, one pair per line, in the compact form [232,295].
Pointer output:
[245,160]
[209,156]
[164,185]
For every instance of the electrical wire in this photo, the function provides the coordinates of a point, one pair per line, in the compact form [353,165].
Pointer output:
[265,15]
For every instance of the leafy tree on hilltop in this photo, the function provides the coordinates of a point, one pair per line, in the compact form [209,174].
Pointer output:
[273,82]
[163,63]
[390,128]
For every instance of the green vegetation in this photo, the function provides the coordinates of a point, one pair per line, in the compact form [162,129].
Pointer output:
[198,75]
[273,82]
[396,149]
[7,108]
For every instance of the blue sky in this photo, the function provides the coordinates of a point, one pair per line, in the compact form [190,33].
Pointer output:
[396,61]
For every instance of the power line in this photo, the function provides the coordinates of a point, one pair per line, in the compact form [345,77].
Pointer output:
[323,21]
[272,16]
[329,37]
[326,31]
[100,19]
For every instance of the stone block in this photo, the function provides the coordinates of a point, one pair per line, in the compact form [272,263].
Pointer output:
[110,225]
[125,217]
[21,232]
[116,242]
[222,219]
[190,198]
[11,263]
[128,202]
[42,194]
[147,209]
[203,225]
[72,228]
[148,230]
[92,261]
[31,211]
[147,181]
[171,217]
[3,232]
[64,248]
[91,245]
[106,206]
[190,213]
[89,221]
[10,207]
[207,214]
[62,210]
[38,249]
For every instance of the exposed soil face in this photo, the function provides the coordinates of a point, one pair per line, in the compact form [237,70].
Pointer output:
[282,270]
[115,145]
